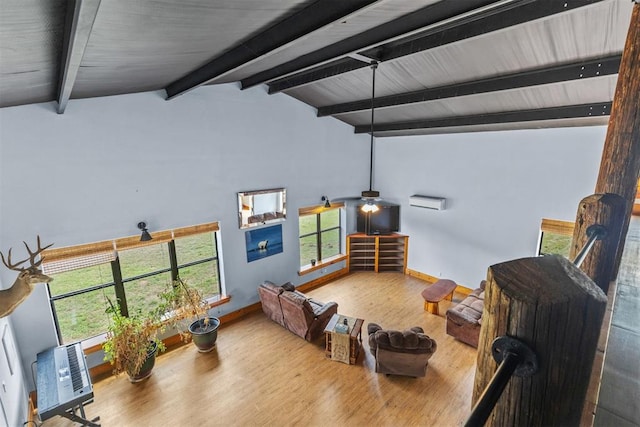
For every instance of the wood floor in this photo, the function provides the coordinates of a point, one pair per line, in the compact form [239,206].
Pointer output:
[261,374]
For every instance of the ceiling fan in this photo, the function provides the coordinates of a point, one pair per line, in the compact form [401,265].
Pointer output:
[370,196]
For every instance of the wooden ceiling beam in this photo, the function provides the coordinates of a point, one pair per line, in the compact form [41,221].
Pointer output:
[565,112]
[81,14]
[540,76]
[443,33]
[307,20]
[506,17]
[399,27]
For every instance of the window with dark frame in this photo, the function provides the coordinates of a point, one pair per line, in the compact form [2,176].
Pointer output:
[128,271]
[320,231]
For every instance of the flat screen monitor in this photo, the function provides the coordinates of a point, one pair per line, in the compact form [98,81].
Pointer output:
[385,221]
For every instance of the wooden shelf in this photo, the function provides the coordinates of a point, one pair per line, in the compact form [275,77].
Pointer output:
[377,253]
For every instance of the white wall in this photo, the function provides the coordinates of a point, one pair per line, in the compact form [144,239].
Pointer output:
[108,163]
[498,186]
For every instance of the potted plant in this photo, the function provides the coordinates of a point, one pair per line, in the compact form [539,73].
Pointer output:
[182,303]
[132,343]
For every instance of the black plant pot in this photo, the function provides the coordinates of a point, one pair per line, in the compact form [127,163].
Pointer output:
[147,366]
[205,335]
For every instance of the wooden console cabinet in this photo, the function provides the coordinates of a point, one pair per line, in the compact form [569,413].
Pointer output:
[377,253]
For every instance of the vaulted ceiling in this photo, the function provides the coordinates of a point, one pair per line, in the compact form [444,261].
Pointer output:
[444,65]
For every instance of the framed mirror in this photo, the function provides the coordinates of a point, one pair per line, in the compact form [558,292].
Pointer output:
[261,207]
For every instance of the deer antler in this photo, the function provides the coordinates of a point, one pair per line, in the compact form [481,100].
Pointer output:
[31,259]
[10,266]
[33,255]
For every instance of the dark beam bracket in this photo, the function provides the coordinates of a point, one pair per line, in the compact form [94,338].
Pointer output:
[309,19]
[488,21]
[556,74]
[554,113]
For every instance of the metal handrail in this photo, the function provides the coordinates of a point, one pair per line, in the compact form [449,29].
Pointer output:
[594,232]
[514,358]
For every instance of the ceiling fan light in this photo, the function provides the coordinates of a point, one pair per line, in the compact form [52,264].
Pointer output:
[370,194]
[370,208]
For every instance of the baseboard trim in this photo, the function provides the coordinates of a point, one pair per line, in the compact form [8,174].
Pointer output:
[422,276]
[432,279]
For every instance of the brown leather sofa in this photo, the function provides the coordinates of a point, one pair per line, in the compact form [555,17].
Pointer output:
[464,319]
[303,316]
[401,353]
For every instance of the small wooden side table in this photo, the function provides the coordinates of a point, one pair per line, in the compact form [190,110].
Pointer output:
[355,338]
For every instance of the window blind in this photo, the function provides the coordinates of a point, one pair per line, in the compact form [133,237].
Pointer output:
[312,210]
[69,258]
[555,226]
[195,229]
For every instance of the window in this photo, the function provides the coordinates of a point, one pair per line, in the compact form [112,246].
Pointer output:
[128,271]
[320,231]
[555,237]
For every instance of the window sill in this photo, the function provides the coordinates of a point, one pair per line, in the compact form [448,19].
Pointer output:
[94,344]
[306,269]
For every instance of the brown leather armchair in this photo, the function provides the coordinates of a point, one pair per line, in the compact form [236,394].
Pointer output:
[401,353]
[293,310]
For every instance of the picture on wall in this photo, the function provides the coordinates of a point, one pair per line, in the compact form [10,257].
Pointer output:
[263,242]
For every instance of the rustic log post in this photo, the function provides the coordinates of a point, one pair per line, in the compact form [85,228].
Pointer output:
[608,210]
[555,309]
[620,164]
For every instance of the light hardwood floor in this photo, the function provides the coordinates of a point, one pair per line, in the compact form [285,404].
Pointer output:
[261,374]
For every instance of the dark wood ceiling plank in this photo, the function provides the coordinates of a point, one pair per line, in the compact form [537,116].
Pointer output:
[411,22]
[540,76]
[554,113]
[309,19]
[455,30]
[81,15]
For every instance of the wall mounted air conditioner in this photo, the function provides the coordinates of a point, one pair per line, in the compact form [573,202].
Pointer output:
[437,203]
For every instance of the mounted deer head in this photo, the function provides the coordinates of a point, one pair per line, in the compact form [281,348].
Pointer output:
[27,279]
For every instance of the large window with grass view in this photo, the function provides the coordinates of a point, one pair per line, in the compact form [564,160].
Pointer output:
[128,272]
[320,231]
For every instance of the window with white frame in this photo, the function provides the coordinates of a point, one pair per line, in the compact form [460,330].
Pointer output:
[320,231]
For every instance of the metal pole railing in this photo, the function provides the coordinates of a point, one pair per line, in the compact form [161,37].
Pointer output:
[514,358]
[494,390]
[594,232]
